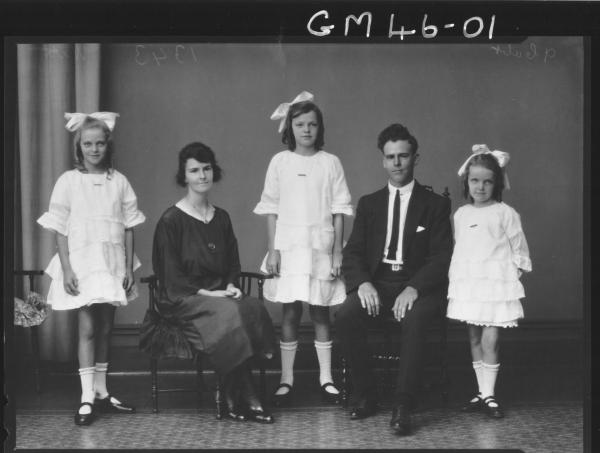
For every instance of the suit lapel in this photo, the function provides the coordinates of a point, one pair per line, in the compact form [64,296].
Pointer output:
[380,213]
[413,214]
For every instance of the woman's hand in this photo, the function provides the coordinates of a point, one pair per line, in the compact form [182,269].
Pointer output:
[70,282]
[236,293]
[336,265]
[273,262]
[128,280]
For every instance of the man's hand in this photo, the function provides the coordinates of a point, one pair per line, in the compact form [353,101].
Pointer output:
[404,302]
[369,299]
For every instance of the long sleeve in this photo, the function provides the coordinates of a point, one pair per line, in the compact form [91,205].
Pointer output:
[269,200]
[340,203]
[166,261]
[518,243]
[355,268]
[58,213]
[233,256]
[132,216]
[434,271]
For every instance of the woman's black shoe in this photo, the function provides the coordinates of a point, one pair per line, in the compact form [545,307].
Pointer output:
[285,399]
[329,397]
[85,419]
[494,411]
[110,404]
[259,415]
[475,404]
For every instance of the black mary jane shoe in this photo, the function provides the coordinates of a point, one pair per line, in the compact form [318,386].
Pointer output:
[475,404]
[285,399]
[85,419]
[494,411]
[328,397]
[109,404]
[259,415]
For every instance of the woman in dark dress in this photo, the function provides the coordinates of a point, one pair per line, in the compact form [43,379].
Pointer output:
[195,257]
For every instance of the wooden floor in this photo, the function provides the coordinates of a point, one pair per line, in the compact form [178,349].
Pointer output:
[544,413]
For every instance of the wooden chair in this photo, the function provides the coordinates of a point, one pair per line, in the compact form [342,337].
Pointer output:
[33,330]
[246,285]
[388,357]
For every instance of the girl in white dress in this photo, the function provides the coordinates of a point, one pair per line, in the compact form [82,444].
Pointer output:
[304,198]
[490,254]
[92,212]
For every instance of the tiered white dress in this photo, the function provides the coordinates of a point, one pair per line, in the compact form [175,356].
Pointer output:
[93,211]
[304,192]
[490,249]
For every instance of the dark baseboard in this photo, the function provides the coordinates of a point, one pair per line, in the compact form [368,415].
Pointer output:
[528,330]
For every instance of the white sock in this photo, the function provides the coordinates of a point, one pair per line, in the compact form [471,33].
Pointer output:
[324,355]
[489,372]
[100,380]
[288,354]
[478,367]
[86,375]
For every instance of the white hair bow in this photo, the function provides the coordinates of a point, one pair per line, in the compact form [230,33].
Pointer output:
[281,112]
[75,120]
[501,157]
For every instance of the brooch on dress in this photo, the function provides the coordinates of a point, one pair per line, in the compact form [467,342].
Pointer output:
[212,247]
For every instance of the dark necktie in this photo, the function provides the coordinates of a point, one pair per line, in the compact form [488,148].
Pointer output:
[395,228]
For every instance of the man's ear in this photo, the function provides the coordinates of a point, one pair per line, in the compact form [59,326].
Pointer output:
[417,158]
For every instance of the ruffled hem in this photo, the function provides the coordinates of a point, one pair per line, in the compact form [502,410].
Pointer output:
[290,288]
[485,290]
[95,289]
[499,313]
[51,221]
[506,324]
[316,237]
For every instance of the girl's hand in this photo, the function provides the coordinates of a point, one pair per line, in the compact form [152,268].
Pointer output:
[236,293]
[128,280]
[336,266]
[70,282]
[273,262]
[519,273]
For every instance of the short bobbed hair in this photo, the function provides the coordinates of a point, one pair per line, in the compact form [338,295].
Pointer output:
[201,153]
[395,132]
[486,161]
[93,123]
[297,109]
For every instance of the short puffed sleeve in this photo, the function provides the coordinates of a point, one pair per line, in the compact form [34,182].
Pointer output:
[132,216]
[57,216]
[516,237]
[269,200]
[340,203]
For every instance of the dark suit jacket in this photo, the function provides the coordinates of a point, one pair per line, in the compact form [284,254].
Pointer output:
[426,254]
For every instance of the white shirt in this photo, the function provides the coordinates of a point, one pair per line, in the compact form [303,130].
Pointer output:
[405,193]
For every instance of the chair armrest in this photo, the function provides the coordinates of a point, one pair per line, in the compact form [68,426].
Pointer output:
[257,275]
[148,279]
[28,272]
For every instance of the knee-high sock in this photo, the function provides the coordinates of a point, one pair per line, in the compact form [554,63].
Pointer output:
[100,380]
[323,349]
[288,354]
[489,372]
[478,368]
[86,376]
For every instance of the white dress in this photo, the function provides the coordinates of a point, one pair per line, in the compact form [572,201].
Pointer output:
[304,192]
[490,248]
[92,210]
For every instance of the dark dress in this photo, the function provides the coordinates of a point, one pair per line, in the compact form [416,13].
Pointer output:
[189,255]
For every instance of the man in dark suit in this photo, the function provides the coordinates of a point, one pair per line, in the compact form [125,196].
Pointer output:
[395,264]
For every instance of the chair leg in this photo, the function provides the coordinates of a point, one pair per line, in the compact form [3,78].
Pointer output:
[154,377]
[35,349]
[344,392]
[218,397]
[199,382]
[263,383]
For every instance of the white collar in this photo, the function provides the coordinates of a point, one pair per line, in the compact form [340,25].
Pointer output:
[186,207]
[404,190]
